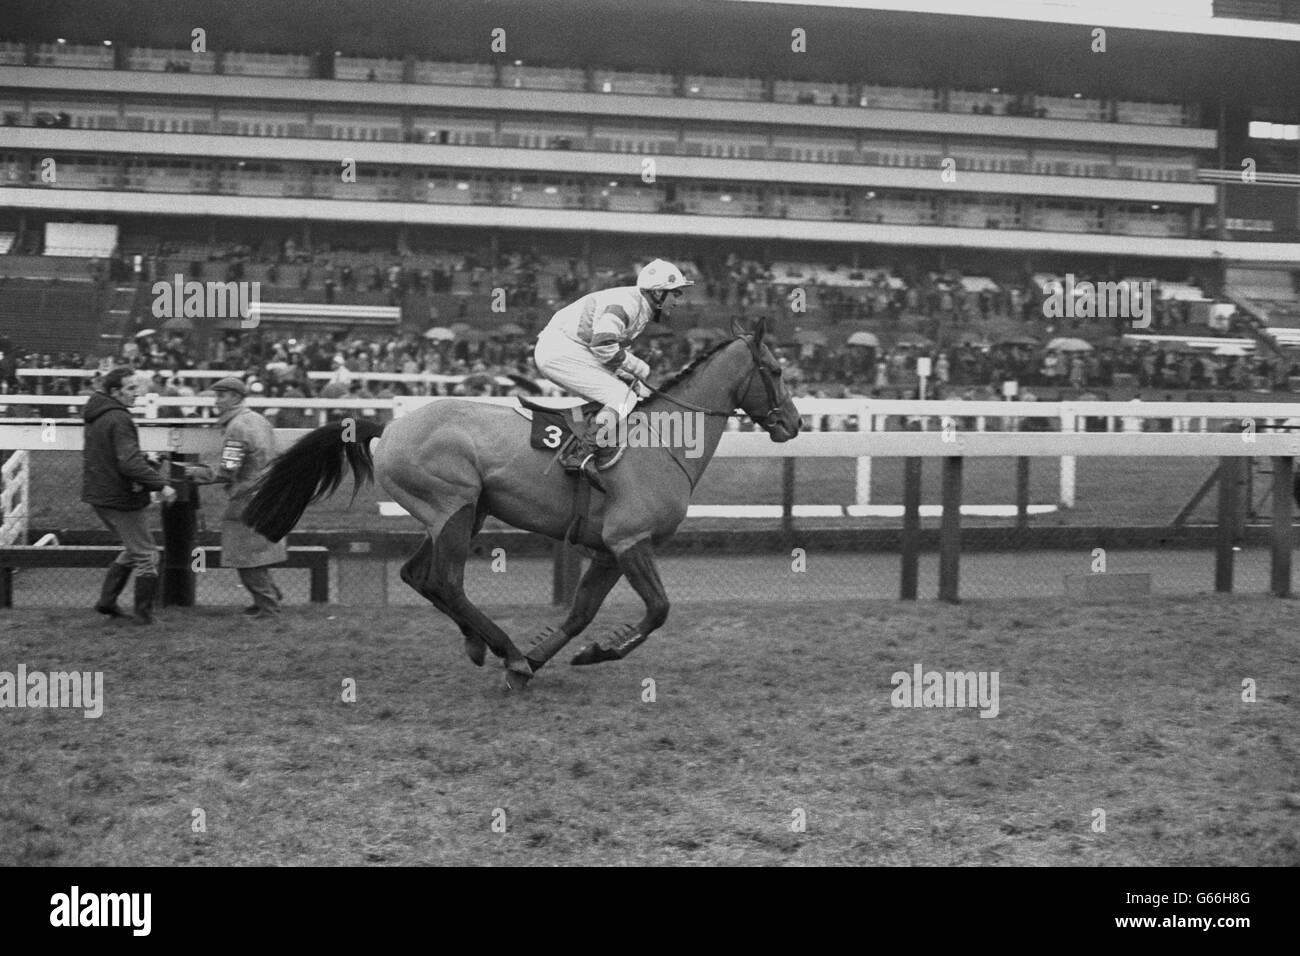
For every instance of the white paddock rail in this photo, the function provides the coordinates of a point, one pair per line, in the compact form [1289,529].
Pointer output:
[1197,429]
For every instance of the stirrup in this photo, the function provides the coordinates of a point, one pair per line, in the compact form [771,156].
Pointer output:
[607,464]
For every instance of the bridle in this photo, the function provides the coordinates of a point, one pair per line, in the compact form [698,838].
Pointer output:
[766,422]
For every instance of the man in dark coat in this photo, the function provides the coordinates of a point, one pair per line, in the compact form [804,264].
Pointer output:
[116,481]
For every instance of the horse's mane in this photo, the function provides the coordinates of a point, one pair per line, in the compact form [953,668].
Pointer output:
[685,371]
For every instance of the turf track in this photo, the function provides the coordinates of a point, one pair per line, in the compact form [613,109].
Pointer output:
[760,711]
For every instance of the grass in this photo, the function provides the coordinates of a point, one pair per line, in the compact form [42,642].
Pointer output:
[759,711]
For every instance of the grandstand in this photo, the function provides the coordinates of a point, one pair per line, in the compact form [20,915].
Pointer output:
[859,169]
[27,308]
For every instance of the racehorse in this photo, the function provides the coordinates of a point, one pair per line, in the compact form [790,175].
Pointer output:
[452,463]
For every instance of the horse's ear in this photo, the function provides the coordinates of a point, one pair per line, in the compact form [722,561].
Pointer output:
[737,327]
[760,330]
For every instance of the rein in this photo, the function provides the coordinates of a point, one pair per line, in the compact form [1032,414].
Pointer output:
[769,386]
[690,406]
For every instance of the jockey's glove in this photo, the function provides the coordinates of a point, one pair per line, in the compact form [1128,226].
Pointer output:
[635,367]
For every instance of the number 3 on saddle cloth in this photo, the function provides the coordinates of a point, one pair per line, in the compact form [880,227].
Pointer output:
[553,430]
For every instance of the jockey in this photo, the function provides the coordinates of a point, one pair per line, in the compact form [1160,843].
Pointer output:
[584,348]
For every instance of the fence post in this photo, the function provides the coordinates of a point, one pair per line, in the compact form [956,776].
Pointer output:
[862,483]
[787,495]
[911,548]
[1069,423]
[1283,476]
[180,522]
[320,581]
[950,530]
[1022,492]
[1228,500]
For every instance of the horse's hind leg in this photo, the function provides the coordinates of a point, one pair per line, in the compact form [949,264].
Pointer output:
[638,563]
[444,585]
[416,572]
[595,586]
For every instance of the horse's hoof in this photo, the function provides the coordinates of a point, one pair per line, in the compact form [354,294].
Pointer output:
[594,654]
[518,676]
[617,646]
[475,650]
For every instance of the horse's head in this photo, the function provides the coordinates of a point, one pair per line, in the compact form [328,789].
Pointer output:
[763,395]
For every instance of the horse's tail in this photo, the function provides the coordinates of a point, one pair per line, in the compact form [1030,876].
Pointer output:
[309,471]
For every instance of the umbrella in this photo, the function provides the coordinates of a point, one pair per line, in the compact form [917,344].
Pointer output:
[459,327]
[973,338]
[509,329]
[440,334]
[1068,345]
[810,337]
[143,332]
[1018,340]
[912,339]
[863,338]
[1231,350]
[178,324]
[472,335]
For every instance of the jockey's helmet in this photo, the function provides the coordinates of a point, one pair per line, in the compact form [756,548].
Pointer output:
[661,276]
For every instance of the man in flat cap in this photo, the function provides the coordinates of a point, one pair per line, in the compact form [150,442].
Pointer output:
[116,481]
[247,450]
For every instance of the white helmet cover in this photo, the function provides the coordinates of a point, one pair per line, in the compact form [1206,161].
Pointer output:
[661,276]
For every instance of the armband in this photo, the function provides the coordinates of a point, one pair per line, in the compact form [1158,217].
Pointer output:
[232,455]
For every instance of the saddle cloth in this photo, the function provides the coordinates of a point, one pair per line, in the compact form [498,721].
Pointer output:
[553,427]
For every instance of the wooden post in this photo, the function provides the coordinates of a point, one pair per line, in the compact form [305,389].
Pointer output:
[911,528]
[1283,475]
[1022,492]
[787,495]
[950,530]
[180,524]
[320,581]
[1227,525]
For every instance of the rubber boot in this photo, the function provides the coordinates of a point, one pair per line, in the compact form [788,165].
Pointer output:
[146,588]
[114,581]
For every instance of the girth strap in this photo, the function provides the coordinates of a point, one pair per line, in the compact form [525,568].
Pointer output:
[581,508]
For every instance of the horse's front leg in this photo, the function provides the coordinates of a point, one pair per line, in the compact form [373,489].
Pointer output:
[596,583]
[638,563]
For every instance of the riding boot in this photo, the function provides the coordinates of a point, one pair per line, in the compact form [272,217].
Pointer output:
[146,588]
[596,457]
[114,581]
